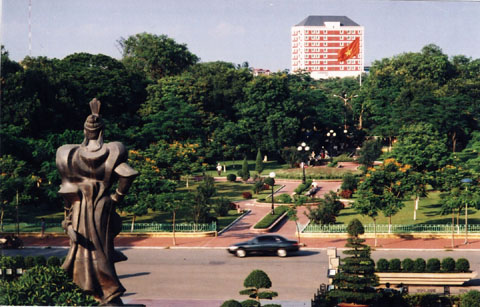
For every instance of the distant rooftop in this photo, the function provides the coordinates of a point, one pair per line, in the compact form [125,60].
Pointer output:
[320,21]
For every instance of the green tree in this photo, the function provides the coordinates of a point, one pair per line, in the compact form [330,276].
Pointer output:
[355,281]
[156,56]
[384,188]
[255,281]
[259,162]
[245,173]
[148,184]
[173,203]
[17,184]
[203,200]
[326,211]
[371,150]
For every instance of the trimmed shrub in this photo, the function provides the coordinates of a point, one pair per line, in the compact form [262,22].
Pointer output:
[19,262]
[246,195]
[284,198]
[269,181]
[302,187]
[419,265]
[448,264]
[382,265]
[232,177]
[40,260]
[355,228]
[53,261]
[407,265]
[433,265]
[269,219]
[250,303]
[394,265]
[470,299]
[231,303]
[462,265]
[29,261]
[346,193]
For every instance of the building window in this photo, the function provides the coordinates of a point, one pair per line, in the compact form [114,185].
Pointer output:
[324,67]
[341,31]
[325,49]
[341,44]
[325,44]
[324,31]
[325,62]
[341,38]
[324,56]
[324,38]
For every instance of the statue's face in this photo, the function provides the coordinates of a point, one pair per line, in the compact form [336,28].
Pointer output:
[91,135]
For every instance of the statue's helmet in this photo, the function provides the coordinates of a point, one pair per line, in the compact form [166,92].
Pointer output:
[94,122]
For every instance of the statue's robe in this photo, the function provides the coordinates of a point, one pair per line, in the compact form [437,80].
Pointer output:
[91,220]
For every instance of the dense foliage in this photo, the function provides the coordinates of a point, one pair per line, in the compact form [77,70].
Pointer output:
[178,115]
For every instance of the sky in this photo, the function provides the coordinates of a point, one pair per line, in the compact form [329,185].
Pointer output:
[256,31]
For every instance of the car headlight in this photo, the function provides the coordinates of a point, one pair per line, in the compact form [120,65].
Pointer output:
[233,248]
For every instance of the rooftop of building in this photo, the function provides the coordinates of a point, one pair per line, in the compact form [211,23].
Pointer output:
[320,21]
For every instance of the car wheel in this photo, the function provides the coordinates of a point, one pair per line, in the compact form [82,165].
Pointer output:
[240,253]
[281,252]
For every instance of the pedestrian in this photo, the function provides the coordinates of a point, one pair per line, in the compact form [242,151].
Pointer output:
[42,227]
[219,169]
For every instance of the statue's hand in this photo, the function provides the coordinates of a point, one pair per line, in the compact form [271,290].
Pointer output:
[72,234]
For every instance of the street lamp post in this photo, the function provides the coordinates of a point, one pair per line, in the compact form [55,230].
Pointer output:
[272,175]
[303,147]
[346,104]
[466,180]
[330,135]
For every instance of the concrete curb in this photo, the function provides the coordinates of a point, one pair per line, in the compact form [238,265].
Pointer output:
[234,222]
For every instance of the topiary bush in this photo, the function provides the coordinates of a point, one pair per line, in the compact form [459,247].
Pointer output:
[407,265]
[232,177]
[448,264]
[40,260]
[53,261]
[419,265]
[44,286]
[382,265]
[394,265]
[250,303]
[462,265]
[29,261]
[433,265]
[19,262]
[231,303]
[246,195]
[470,299]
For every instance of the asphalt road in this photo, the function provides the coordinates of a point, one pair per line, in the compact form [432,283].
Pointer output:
[213,274]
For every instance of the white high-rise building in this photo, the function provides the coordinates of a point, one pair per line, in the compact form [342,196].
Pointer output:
[316,42]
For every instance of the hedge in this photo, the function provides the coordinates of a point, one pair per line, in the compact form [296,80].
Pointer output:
[432,265]
[269,219]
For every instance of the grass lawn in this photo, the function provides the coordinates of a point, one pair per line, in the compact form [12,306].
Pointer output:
[428,213]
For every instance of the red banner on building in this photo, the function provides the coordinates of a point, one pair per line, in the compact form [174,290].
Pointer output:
[349,51]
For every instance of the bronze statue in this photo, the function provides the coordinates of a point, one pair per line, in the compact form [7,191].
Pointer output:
[88,170]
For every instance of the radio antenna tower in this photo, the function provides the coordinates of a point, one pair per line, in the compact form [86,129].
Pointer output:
[30,27]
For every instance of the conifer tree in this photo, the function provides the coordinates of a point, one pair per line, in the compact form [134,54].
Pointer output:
[259,163]
[356,280]
[245,173]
